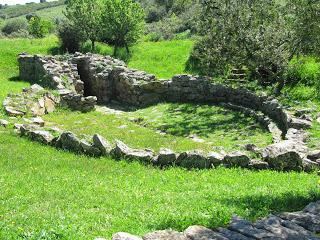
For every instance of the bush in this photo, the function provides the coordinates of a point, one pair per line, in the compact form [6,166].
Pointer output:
[14,25]
[20,34]
[304,70]
[70,38]
[39,28]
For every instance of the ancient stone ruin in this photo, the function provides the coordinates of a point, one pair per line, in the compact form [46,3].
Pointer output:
[83,80]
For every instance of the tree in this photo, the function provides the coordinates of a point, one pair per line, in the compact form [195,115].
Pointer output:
[239,33]
[85,17]
[123,23]
[39,27]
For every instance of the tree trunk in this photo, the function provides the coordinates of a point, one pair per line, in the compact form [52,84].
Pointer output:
[115,51]
[93,43]
[127,49]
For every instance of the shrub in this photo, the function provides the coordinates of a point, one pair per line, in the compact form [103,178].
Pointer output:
[70,38]
[39,28]
[304,70]
[14,25]
[20,34]
[29,16]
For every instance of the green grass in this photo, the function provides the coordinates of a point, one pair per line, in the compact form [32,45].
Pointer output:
[51,194]
[63,196]
[164,59]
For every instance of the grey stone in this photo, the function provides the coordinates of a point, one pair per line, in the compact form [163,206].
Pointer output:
[300,123]
[102,144]
[214,159]
[314,155]
[38,121]
[258,165]
[192,159]
[4,123]
[307,220]
[285,155]
[165,235]
[232,235]
[273,224]
[237,159]
[122,151]
[68,141]
[247,229]
[313,208]
[309,165]
[165,157]
[89,149]
[125,236]
[202,233]
[13,112]
[42,136]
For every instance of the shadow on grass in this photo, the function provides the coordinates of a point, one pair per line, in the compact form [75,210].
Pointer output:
[186,119]
[254,207]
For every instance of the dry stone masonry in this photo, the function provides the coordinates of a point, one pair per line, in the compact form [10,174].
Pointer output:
[83,80]
[301,225]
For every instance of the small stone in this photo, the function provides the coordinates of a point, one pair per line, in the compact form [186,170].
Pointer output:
[298,123]
[14,112]
[309,165]
[17,126]
[165,235]
[166,157]
[125,236]
[192,159]
[202,233]
[89,149]
[123,151]
[237,159]
[38,121]
[314,155]
[215,158]
[258,165]
[102,144]
[4,123]
[69,141]
[41,136]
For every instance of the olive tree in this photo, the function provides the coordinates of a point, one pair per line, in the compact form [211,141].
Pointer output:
[85,17]
[237,33]
[123,23]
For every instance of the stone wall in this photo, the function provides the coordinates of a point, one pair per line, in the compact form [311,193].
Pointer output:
[110,79]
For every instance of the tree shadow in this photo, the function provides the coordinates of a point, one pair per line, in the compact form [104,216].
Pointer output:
[186,119]
[254,206]
[55,51]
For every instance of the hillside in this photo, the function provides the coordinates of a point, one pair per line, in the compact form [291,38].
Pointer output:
[46,9]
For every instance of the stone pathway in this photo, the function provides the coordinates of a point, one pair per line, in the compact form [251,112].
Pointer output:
[301,225]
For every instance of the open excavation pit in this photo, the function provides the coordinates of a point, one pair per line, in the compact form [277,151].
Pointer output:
[83,80]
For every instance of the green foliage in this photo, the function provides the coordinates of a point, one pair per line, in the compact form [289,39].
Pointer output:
[39,28]
[14,25]
[85,17]
[70,38]
[261,35]
[304,70]
[123,22]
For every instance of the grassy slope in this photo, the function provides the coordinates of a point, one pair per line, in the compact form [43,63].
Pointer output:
[58,195]
[49,13]
[22,10]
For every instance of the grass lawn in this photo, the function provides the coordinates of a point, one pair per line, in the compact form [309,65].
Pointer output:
[51,194]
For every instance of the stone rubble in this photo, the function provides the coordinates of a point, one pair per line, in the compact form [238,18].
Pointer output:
[301,225]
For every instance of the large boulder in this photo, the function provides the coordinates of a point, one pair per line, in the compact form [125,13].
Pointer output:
[122,151]
[192,159]
[41,136]
[285,155]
